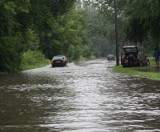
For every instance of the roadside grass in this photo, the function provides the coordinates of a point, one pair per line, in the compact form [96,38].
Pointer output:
[33,59]
[150,72]
[3,73]
[36,65]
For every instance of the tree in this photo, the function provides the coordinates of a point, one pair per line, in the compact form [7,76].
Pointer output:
[143,20]
[9,37]
[44,15]
[27,24]
[70,38]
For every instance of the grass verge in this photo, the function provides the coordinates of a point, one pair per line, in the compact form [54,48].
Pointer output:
[148,71]
[33,59]
[36,65]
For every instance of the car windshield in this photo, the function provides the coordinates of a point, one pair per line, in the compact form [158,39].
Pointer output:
[130,49]
[110,55]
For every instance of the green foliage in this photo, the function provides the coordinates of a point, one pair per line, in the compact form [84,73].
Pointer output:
[74,34]
[46,17]
[58,27]
[28,25]
[10,37]
[143,20]
[100,26]
[134,71]
[138,21]
[31,59]
[67,36]
[30,40]
[10,55]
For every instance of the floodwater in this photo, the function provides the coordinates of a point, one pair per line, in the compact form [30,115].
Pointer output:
[87,97]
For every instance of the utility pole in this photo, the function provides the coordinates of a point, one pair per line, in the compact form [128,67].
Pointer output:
[116,33]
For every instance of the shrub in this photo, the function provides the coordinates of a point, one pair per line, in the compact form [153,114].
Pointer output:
[32,58]
[10,56]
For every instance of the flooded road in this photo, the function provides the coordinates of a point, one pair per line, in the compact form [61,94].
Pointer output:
[87,97]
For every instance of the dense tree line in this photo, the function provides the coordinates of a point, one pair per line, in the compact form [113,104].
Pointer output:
[143,22]
[138,22]
[61,27]
[51,26]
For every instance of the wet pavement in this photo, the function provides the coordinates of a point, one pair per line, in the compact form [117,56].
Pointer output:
[87,97]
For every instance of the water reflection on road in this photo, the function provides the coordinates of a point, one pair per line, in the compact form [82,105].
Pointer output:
[85,97]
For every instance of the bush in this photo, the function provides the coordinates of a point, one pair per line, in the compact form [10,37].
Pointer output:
[10,55]
[32,59]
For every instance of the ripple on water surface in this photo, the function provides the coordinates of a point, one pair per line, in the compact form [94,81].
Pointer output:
[87,97]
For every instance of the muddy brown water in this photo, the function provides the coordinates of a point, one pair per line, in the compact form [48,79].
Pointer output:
[87,97]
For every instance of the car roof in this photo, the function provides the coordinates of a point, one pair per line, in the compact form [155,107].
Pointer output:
[130,48]
[59,56]
[110,55]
